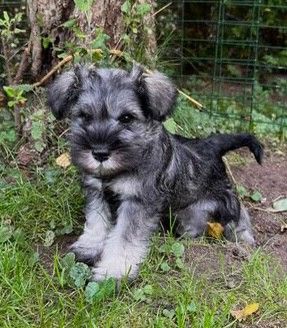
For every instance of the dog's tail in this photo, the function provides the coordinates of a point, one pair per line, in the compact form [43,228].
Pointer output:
[227,142]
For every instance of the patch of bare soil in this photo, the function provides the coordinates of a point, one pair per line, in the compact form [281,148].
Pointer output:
[61,246]
[270,180]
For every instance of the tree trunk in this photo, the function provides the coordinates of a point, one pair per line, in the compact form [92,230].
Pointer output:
[149,35]
[47,16]
[46,22]
[105,14]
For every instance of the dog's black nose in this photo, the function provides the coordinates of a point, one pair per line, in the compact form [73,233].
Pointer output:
[100,155]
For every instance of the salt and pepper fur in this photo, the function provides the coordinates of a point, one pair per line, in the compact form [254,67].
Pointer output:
[148,171]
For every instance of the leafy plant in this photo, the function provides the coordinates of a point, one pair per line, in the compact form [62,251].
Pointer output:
[136,32]
[40,124]
[255,195]
[96,292]
[16,96]
[10,46]
[89,44]
[174,251]
[7,128]
[17,100]
[10,43]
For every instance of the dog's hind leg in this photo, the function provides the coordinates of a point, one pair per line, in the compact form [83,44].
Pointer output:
[90,244]
[241,230]
[192,220]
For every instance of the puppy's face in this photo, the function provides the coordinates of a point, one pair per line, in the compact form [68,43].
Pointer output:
[109,130]
[112,118]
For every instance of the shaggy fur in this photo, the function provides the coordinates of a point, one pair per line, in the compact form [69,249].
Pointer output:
[134,171]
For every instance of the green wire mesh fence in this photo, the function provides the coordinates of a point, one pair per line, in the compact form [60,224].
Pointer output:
[232,56]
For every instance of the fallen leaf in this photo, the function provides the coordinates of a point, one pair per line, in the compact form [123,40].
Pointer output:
[280,205]
[116,52]
[245,312]
[215,230]
[64,160]
[25,155]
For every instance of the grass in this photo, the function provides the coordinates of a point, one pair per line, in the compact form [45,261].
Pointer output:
[42,204]
[37,293]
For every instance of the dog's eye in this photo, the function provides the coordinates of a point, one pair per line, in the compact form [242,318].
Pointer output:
[85,116]
[126,118]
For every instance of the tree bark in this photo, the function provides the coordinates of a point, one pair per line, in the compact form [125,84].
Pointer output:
[149,35]
[47,16]
[105,14]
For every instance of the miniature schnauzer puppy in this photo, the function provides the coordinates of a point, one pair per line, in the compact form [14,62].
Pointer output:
[134,171]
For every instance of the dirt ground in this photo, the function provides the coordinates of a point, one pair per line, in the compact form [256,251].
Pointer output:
[270,180]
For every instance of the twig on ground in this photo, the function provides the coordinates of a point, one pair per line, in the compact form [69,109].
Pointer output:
[267,210]
[277,198]
[161,9]
[195,102]
[229,171]
[53,70]
[64,132]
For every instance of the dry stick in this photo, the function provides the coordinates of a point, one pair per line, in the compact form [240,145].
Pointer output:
[268,210]
[64,132]
[229,170]
[195,102]
[161,9]
[52,71]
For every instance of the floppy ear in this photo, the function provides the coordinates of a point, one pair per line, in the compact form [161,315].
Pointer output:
[161,93]
[64,91]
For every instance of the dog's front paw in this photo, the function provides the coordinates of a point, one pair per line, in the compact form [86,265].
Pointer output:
[113,268]
[87,250]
